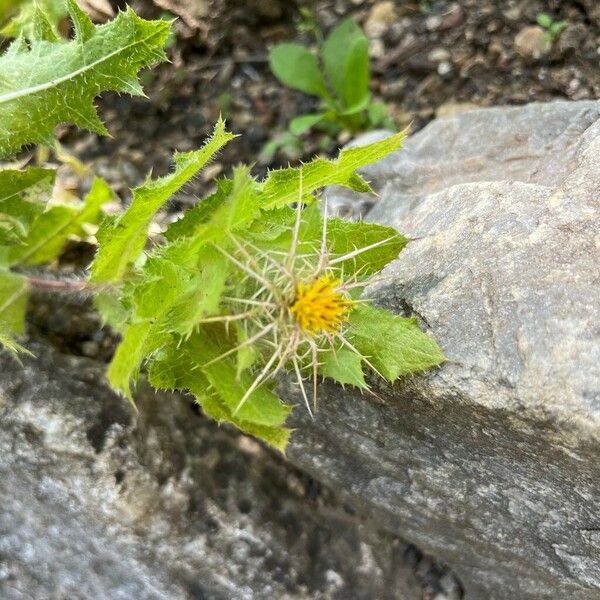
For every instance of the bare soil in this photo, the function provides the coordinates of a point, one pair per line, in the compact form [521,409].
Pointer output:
[429,58]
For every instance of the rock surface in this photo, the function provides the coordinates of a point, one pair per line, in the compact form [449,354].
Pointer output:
[101,504]
[491,463]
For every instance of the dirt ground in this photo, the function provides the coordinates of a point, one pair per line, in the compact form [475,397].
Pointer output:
[429,58]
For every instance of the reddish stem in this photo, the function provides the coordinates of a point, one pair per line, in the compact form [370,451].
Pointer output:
[56,285]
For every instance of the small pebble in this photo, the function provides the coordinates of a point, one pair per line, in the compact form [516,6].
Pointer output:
[513,14]
[495,48]
[433,22]
[444,68]
[396,32]
[380,18]
[451,18]
[393,89]
[572,37]
[377,48]
[333,578]
[90,348]
[531,42]
[439,55]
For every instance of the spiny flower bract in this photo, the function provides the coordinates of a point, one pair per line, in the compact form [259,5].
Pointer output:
[293,305]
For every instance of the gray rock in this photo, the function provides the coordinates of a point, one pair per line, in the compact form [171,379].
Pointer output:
[537,143]
[492,462]
[100,503]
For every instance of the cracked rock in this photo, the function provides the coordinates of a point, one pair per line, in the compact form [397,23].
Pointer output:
[492,462]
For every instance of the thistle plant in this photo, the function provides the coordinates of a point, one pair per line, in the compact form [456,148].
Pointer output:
[254,280]
[46,80]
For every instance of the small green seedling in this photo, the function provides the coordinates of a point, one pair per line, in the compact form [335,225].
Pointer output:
[553,28]
[339,76]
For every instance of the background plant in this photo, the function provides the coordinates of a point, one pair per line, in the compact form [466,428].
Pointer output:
[553,28]
[338,74]
[251,281]
[46,80]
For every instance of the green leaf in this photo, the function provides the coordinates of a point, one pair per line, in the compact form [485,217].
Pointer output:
[361,105]
[125,365]
[394,345]
[544,20]
[185,367]
[203,296]
[275,233]
[168,299]
[232,207]
[50,231]
[556,28]
[182,294]
[123,241]
[11,230]
[343,366]
[14,291]
[26,22]
[246,356]
[346,236]
[284,186]
[233,214]
[296,67]
[303,123]
[178,373]
[22,198]
[8,8]
[377,113]
[262,407]
[346,60]
[201,213]
[204,269]
[33,184]
[242,206]
[216,409]
[40,27]
[113,309]
[52,82]
[163,282]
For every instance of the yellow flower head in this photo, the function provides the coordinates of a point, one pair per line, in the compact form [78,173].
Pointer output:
[319,306]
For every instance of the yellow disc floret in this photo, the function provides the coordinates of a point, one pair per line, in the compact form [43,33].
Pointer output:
[319,306]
